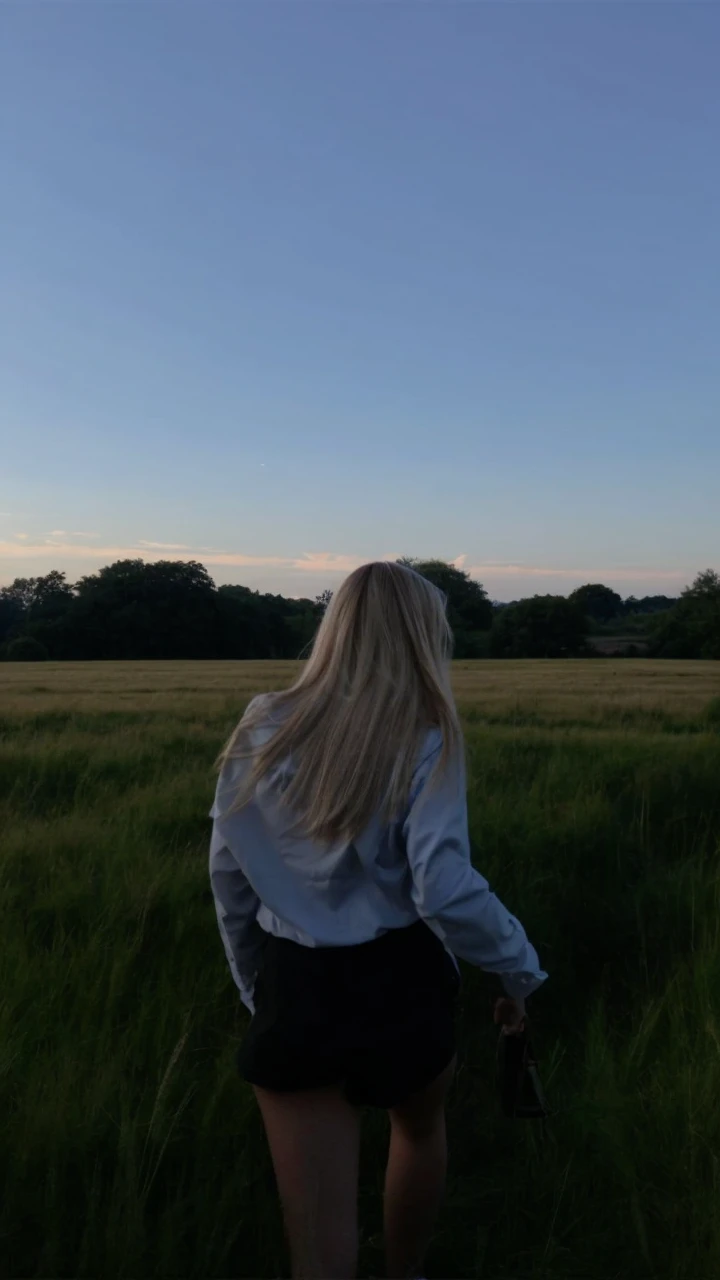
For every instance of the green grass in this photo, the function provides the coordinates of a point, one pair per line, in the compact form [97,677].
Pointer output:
[129,1146]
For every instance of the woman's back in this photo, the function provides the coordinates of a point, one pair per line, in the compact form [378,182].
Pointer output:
[344,888]
[322,894]
[270,878]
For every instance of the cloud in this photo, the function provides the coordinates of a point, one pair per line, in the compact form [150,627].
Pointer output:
[309,562]
[163,546]
[459,561]
[22,536]
[496,568]
[328,562]
[508,578]
[76,533]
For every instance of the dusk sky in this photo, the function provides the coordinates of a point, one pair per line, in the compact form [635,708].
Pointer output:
[288,286]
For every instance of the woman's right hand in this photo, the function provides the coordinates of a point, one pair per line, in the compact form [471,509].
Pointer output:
[510,1016]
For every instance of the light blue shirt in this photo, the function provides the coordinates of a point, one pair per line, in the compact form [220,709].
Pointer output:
[268,879]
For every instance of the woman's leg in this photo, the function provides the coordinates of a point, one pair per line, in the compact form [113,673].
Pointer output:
[415,1178]
[314,1141]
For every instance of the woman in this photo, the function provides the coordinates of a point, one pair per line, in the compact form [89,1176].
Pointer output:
[340,866]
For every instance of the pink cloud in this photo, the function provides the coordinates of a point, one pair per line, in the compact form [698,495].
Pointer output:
[308,562]
[499,570]
[321,567]
[163,546]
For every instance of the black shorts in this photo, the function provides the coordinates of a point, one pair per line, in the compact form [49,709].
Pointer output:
[377,1020]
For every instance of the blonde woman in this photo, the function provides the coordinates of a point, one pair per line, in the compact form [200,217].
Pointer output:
[341,871]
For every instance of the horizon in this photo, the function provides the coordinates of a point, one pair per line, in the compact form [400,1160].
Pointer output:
[254,310]
[315,592]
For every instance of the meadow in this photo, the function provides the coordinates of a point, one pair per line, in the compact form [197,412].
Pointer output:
[129,1146]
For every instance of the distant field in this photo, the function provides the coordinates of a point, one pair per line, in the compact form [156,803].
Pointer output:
[579,692]
[129,1147]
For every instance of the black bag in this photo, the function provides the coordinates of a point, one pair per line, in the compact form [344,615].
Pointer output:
[521,1093]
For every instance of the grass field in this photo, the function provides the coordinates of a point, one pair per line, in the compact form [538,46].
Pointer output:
[130,1148]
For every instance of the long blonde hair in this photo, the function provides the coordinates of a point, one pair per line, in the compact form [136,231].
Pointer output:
[355,719]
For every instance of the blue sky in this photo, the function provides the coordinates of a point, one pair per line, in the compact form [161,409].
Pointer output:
[287,286]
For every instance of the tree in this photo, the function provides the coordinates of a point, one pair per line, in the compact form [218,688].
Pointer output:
[649,604]
[323,600]
[251,625]
[168,609]
[469,608]
[32,593]
[541,627]
[47,619]
[130,609]
[599,602]
[26,649]
[692,628]
[37,607]
[12,614]
[21,592]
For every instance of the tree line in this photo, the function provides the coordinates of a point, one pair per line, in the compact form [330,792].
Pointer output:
[170,609]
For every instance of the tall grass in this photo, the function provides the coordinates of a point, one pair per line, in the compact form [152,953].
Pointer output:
[129,1146]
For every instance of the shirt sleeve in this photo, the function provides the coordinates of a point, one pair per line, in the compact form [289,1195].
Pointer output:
[236,906]
[451,895]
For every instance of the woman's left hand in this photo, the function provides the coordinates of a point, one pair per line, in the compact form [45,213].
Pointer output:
[510,1016]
